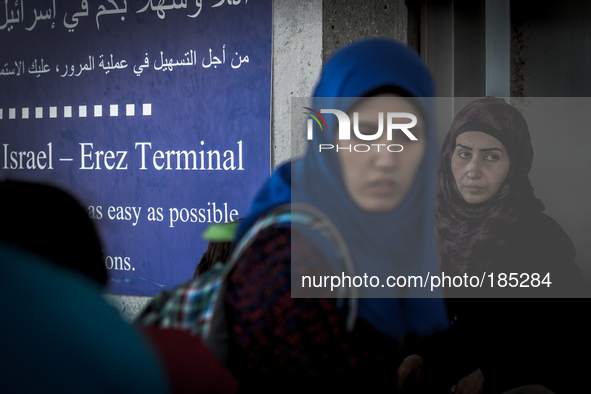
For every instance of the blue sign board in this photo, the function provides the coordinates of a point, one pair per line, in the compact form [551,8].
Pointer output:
[155,114]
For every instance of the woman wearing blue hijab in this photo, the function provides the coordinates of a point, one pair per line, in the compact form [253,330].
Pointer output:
[380,201]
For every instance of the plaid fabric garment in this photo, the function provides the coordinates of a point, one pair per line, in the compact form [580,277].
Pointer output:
[188,306]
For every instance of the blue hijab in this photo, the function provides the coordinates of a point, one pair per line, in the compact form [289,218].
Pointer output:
[400,242]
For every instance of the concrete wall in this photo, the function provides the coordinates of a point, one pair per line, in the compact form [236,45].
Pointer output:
[297,62]
[129,307]
[345,21]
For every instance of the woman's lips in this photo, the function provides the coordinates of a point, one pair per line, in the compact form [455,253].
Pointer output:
[382,187]
[473,189]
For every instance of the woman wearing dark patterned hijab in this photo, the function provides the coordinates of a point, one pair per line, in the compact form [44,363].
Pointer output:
[489,221]
[488,142]
[487,216]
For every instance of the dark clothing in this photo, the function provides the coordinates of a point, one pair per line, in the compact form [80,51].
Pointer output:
[51,223]
[535,244]
[190,365]
[58,335]
[527,340]
[301,343]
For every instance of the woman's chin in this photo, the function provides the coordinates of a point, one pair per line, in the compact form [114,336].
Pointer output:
[475,198]
[379,204]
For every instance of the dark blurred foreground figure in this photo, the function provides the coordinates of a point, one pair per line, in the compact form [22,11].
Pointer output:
[489,221]
[58,335]
[50,222]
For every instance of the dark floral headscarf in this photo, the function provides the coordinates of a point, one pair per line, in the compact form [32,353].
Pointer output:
[468,232]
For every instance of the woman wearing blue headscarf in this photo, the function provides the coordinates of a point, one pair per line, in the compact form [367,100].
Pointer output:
[381,201]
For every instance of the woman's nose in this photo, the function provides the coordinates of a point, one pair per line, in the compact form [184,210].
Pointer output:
[474,169]
[385,159]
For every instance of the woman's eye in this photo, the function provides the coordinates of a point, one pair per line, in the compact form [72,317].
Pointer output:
[356,138]
[464,155]
[418,132]
[492,157]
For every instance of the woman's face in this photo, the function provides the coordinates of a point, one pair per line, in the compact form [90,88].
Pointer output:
[480,164]
[378,180]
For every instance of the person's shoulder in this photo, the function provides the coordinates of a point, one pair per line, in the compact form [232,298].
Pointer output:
[267,242]
[546,234]
[555,252]
[548,222]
